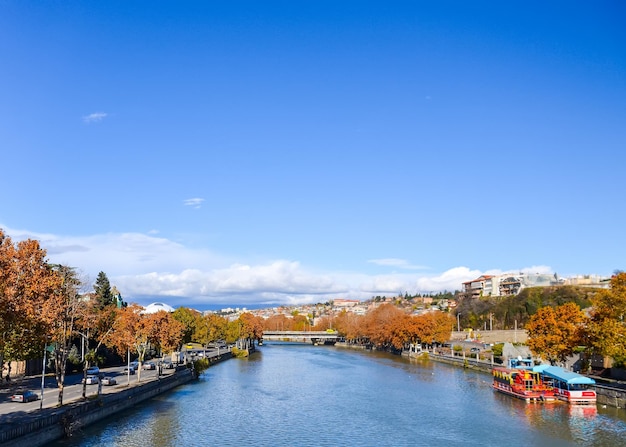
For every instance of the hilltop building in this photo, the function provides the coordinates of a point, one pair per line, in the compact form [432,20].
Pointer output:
[510,284]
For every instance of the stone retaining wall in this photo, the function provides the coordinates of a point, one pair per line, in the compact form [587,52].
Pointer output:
[54,423]
[611,397]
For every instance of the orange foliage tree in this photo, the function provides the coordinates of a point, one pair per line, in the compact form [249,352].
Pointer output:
[431,327]
[385,326]
[25,281]
[63,311]
[606,332]
[350,326]
[554,333]
[131,333]
[278,323]
[166,333]
[34,312]
[251,327]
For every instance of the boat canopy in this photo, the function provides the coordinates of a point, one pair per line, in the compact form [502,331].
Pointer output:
[572,378]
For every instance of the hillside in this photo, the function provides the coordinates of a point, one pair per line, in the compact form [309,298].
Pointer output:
[504,312]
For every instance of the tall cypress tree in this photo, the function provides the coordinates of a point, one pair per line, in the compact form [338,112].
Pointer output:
[102,288]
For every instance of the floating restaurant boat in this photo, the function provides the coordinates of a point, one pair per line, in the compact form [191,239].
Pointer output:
[523,384]
[568,386]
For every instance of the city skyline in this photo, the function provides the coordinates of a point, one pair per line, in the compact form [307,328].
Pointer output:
[259,153]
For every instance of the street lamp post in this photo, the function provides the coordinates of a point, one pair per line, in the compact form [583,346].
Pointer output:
[458,322]
[83,339]
[43,374]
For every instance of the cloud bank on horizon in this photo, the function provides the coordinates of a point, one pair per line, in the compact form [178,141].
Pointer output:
[146,268]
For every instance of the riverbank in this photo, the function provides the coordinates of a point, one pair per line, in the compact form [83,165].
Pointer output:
[42,427]
[39,428]
[609,393]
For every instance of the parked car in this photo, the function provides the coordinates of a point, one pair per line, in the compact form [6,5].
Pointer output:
[93,371]
[168,365]
[475,350]
[26,396]
[91,380]
[108,381]
[149,365]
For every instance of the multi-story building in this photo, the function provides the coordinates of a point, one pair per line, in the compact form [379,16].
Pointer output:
[511,284]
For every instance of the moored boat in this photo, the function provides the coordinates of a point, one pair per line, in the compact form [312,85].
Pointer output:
[523,384]
[569,386]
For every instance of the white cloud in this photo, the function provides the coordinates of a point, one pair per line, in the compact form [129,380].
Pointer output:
[395,262]
[196,202]
[146,268]
[94,117]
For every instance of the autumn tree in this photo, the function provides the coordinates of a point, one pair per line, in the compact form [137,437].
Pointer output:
[348,324]
[430,327]
[31,299]
[95,323]
[167,332]
[606,331]
[131,333]
[384,326]
[554,333]
[62,311]
[278,322]
[252,326]
[300,323]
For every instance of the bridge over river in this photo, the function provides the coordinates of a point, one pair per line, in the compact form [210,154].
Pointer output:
[327,337]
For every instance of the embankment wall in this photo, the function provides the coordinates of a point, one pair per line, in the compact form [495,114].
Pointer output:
[55,423]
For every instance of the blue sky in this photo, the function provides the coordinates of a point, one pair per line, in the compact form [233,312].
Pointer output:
[260,152]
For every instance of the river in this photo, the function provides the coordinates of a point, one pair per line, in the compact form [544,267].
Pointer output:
[303,395]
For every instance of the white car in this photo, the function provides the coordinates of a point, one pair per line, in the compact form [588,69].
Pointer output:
[26,396]
[108,381]
[91,380]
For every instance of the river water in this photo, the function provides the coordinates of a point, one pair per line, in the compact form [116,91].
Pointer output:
[303,395]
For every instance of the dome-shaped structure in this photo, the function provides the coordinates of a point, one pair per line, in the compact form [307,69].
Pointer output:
[155,307]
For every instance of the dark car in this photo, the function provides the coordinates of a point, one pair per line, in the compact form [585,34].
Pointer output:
[26,396]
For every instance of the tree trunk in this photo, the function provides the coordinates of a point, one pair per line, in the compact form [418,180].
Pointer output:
[60,400]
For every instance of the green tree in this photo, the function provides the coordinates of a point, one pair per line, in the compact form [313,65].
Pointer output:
[210,328]
[102,287]
[190,319]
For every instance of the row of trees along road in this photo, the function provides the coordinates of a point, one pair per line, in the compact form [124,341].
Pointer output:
[386,326]
[556,332]
[47,307]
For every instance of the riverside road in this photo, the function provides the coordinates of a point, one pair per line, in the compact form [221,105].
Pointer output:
[73,390]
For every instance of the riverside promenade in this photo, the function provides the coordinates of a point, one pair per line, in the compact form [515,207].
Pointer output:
[611,393]
[34,427]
